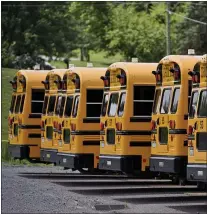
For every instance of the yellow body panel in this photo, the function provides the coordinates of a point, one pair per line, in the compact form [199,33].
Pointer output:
[89,79]
[28,124]
[66,121]
[175,145]
[200,124]
[138,74]
[50,119]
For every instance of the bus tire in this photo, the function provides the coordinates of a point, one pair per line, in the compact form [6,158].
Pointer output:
[202,186]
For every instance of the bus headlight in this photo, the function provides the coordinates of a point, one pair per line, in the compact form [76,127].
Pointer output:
[191,151]
[42,139]
[60,142]
[153,144]
[102,144]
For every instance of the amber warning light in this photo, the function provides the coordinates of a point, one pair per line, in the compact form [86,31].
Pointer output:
[195,76]
[158,76]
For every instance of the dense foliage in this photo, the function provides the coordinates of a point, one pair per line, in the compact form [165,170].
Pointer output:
[133,29]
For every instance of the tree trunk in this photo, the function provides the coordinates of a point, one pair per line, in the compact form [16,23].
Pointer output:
[82,54]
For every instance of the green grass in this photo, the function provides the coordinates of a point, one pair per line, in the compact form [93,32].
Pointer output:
[98,59]
[7,75]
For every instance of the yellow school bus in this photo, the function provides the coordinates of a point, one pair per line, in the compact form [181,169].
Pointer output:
[53,105]
[126,118]
[25,114]
[197,126]
[170,116]
[82,134]
[65,118]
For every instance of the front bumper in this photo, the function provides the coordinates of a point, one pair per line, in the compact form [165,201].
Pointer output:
[48,155]
[126,164]
[19,151]
[197,172]
[75,161]
[168,164]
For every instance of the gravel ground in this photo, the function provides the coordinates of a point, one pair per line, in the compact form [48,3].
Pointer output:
[23,195]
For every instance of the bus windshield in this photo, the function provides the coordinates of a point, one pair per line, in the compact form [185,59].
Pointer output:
[12,103]
[18,104]
[175,99]
[104,104]
[75,107]
[121,104]
[68,107]
[62,106]
[113,104]
[45,105]
[156,102]
[193,104]
[51,105]
[202,109]
[58,105]
[165,101]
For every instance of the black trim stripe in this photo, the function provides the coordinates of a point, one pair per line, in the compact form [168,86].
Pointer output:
[29,127]
[139,144]
[91,120]
[15,145]
[140,119]
[86,132]
[35,115]
[177,131]
[34,135]
[91,143]
[133,132]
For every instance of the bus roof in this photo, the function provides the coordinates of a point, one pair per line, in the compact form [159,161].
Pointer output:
[59,72]
[180,59]
[91,75]
[33,76]
[132,69]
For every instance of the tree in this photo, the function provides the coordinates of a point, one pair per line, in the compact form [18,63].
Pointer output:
[193,35]
[37,28]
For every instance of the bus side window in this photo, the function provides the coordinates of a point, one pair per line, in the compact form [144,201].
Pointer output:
[12,103]
[143,100]
[94,102]
[37,100]
[193,104]
[22,103]
[202,108]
